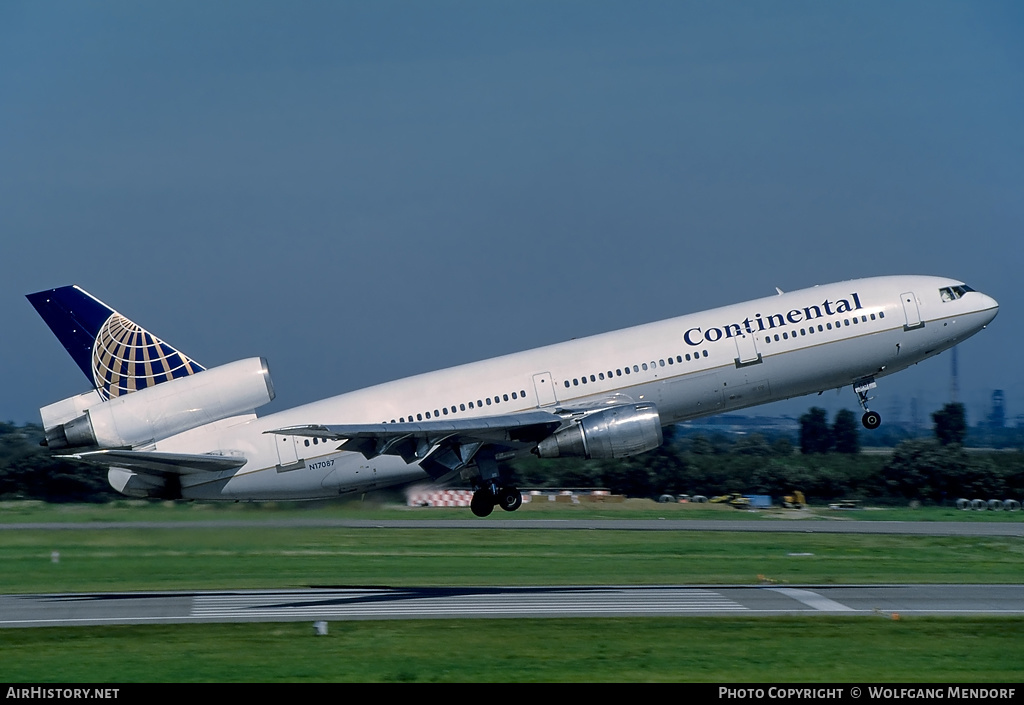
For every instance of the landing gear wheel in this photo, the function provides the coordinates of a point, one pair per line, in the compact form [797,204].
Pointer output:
[871,420]
[482,503]
[510,499]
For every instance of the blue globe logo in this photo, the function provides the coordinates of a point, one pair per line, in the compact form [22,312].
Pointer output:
[126,358]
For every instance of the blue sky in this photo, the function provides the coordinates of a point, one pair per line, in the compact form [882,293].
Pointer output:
[364,191]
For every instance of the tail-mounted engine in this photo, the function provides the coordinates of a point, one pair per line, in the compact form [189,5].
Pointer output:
[160,411]
[618,432]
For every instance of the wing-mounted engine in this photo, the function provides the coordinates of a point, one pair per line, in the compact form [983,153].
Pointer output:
[158,412]
[618,432]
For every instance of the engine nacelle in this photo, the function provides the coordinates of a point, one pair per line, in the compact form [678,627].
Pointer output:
[160,411]
[618,432]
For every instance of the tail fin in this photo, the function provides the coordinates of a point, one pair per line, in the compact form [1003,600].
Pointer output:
[117,355]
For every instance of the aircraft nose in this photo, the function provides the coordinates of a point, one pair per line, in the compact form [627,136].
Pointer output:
[989,306]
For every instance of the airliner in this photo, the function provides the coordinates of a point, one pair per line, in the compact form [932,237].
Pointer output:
[165,426]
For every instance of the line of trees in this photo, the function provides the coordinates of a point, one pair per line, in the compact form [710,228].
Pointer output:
[28,471]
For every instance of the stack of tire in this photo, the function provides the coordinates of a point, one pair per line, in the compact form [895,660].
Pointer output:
[995,505]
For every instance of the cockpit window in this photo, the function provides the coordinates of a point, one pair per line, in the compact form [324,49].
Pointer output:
[952,293]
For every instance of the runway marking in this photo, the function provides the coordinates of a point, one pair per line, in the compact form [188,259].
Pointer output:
[457,603]
[813,599]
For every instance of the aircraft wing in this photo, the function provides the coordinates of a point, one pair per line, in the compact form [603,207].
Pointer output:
[440,447]
[157,463]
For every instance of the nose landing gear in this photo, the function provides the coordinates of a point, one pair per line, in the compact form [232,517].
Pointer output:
[870,419]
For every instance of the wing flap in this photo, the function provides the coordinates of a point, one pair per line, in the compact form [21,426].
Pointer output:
[518,428]
[440,447]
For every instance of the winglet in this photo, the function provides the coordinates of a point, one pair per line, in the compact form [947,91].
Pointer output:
[117,355]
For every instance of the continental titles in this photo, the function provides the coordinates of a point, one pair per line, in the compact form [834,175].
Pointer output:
[698,336]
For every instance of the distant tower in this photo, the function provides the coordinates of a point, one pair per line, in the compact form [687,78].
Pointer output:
[954,391]
[997,418]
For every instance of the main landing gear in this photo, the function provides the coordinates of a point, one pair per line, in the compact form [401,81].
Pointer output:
[486,499]
[493,489]
[870,419]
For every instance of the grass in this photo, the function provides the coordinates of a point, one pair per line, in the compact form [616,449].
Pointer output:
[28,511]
[725,650]
[220,558]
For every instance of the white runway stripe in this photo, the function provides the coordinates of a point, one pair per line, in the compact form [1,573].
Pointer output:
[813,599]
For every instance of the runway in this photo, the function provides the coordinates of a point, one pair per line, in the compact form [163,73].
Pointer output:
[507,603]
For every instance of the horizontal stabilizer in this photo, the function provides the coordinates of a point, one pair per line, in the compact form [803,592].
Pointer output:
[154,462]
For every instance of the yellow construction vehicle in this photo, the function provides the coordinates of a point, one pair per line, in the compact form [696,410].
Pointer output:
[794,501]
[733,499]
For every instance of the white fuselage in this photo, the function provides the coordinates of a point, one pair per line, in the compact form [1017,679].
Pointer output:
[695,365]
